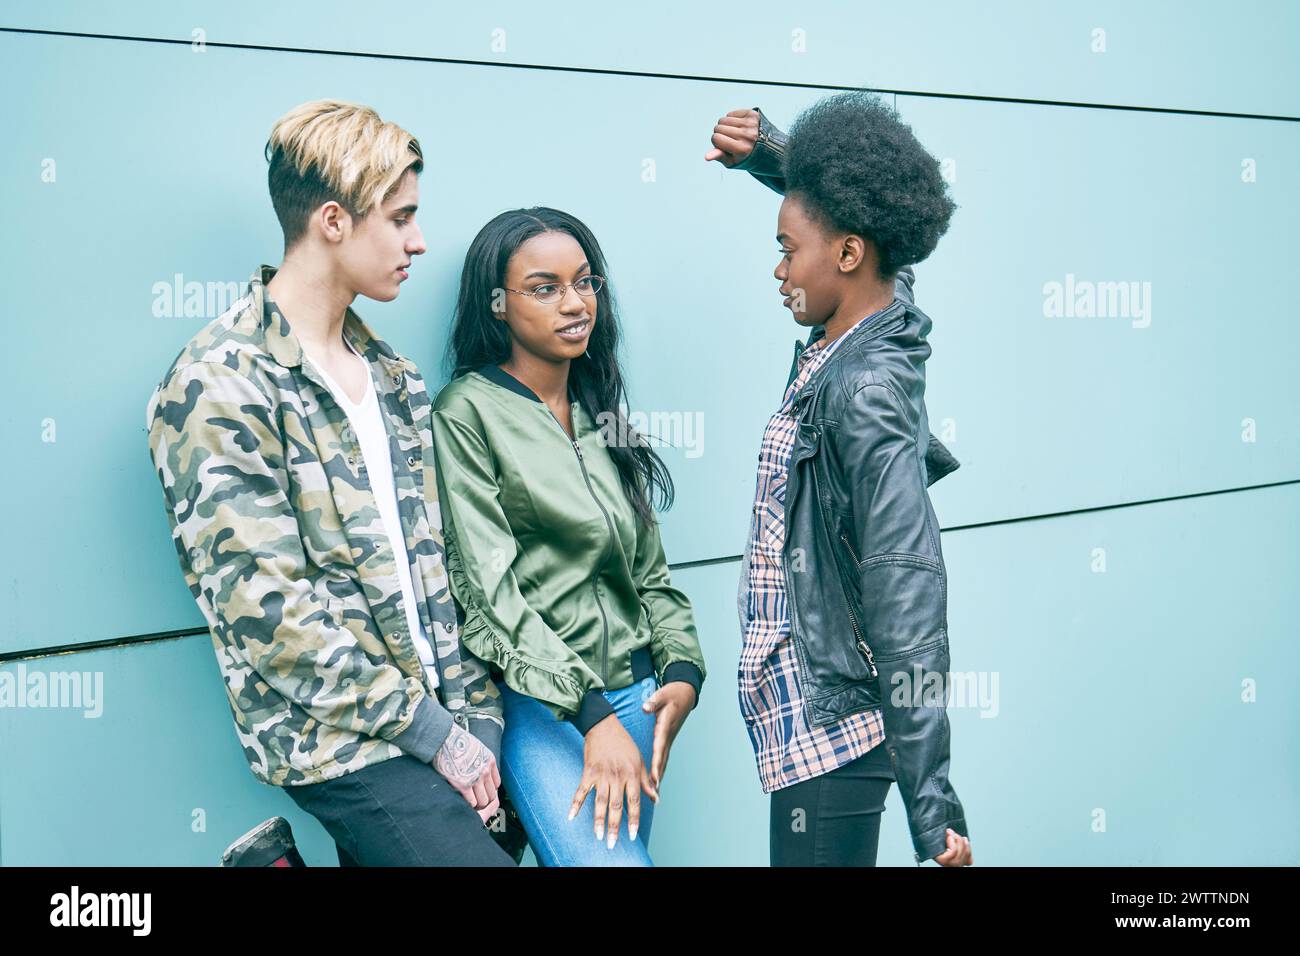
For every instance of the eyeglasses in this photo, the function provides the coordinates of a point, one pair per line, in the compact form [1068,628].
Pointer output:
[554,292]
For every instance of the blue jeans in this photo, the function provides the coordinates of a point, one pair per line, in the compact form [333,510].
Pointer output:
[541,767]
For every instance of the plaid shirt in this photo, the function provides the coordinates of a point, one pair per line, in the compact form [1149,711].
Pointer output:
[787,748]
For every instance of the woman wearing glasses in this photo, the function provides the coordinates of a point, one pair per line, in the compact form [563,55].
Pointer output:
[552,545]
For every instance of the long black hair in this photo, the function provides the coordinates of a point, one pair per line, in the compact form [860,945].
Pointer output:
[479,338]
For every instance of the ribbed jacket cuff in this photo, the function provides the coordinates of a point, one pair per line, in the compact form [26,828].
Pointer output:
[593,709]
[427,731]
[489,732]
[685,671]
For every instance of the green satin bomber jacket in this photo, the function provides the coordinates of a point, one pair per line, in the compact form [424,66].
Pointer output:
[563,590]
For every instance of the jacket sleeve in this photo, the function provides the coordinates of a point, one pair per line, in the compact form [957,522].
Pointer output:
[483,707]
[939,461]
[481,552]
[674,643]
[220,456]
[766,161]
[904,594]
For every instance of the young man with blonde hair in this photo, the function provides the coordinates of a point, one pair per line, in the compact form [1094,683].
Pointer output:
[298,470]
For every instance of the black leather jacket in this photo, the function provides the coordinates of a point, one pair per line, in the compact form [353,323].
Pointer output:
[869,595]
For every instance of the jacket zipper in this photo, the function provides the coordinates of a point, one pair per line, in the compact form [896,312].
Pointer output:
[848,605]
[604,621]
[862,645]
[848,544]
[853,621]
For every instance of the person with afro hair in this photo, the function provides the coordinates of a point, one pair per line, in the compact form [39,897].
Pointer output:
[843,595]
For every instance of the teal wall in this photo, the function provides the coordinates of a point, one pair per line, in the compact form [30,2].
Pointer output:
[1117,694]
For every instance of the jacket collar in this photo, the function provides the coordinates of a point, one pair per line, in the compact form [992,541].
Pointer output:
[499,376]
[356,508]
[864,332]
[284,346]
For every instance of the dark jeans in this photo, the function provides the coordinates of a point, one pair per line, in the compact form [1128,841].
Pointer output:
[832,819]
[399,812]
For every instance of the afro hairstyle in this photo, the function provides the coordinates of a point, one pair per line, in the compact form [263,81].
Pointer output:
[856,167]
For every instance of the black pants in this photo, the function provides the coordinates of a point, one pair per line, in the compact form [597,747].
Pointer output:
[832,819]
[399,812]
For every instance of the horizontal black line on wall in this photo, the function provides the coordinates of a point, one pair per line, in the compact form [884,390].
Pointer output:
[1047,515]
[599,71]
[703,563]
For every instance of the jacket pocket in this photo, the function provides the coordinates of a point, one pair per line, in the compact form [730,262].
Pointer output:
[904,604]
[903,558]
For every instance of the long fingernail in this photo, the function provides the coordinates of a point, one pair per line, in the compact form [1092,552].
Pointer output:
[632,833]
[609,844]
[572,814]
[600,833]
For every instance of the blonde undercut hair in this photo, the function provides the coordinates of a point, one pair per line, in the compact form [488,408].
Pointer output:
[331,150]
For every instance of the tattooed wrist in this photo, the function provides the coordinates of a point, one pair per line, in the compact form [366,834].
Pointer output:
[462,758]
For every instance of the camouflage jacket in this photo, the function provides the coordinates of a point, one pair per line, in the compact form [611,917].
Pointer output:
[284,550]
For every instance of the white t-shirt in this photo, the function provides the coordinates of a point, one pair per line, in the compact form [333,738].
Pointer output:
[372,436]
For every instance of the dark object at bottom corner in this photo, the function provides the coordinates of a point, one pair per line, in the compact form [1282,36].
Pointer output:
[509,834]
[270,843]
